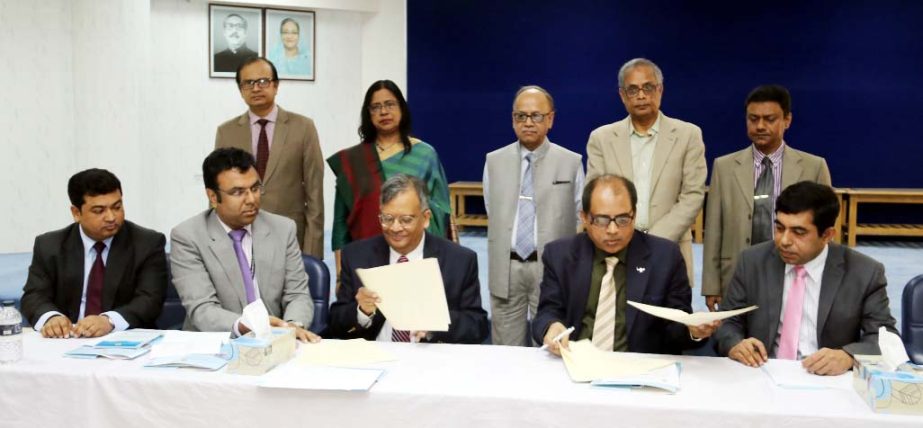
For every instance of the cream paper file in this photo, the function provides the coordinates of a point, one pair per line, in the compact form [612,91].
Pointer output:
[412,294]
[586,363]
[693,319]
[343,353]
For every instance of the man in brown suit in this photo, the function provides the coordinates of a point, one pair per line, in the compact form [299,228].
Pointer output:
[287,152]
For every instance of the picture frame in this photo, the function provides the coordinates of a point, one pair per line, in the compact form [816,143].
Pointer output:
[234,34]
[289,42]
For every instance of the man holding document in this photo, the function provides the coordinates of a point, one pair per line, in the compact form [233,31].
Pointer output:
[404,217]
[589,279]
[819,301]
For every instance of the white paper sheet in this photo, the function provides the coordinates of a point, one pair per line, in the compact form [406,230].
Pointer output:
[790,374]
[412,294]
[693,319]
[343,353]
[292,376]
[585,363]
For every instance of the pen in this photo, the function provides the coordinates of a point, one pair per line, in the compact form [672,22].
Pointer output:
[559,336]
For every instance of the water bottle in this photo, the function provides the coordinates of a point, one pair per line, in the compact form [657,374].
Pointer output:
[10,333]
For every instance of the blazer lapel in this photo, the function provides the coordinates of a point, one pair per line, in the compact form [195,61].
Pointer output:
[743,175]
[243,140]
[223,250]
[637,273]
[73,272]
[622,148]
[265,257]
[277,151]
[120,256]
[775,281]
[834,271]
[791,167]
[665,142]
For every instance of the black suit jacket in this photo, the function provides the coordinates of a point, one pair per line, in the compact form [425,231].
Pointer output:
[853,301]
[655,273]
[459,268]
[229,61]
[134,285]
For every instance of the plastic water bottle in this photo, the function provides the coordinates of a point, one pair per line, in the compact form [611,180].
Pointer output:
[10,333]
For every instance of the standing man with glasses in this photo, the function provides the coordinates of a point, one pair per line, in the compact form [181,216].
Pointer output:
[404,217]
[590,277]
[532,191]
[745,184]
[664,157]
[287,152]
[233,254]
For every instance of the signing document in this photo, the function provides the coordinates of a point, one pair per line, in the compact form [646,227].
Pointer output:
[412,294]
[586,363]
[693,319]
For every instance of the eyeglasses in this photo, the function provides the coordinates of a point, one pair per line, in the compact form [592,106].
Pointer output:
[386,106]
[648,89]
[536,117]
[603,221]
[405,221]
[262,83]
[239,192]
[236,26]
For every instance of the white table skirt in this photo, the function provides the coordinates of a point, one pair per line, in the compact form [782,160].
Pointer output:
[429,386]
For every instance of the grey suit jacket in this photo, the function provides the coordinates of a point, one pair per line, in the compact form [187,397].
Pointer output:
[853,300]
[554,172]
[677,180]
[208,278]
[729,209]
[294,181]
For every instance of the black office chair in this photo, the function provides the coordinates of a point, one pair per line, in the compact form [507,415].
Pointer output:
[173,313]
[319,284]
[912,318]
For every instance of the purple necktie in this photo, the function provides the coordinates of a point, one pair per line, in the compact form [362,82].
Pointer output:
[400,335]
[237,236]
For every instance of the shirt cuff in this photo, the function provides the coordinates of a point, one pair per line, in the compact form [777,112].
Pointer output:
[694,339]
[117,320]
[364,320]
[43,319]
[235,332]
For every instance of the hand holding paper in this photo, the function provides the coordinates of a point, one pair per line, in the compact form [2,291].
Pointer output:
[411,295]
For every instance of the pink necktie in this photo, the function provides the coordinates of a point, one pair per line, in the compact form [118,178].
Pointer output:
[791,322]
[400,335]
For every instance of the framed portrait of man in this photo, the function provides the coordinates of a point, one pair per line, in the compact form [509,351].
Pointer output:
[289,36]
[235,34]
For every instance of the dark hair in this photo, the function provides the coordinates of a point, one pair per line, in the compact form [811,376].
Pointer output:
[221,160]
[91,182]
[367,131]
[233,15]
[809,196]
[400,183]
[251,60]
[771,93]
[282,24]
[607,178]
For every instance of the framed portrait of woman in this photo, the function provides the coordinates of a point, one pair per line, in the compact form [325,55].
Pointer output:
[235,34]
[289,42]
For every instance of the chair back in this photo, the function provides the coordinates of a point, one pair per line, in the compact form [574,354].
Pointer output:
[173,313]
[319,284]
[912,319]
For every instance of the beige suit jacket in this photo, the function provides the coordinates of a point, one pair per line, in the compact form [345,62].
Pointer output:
[294,182]
[677,180]
[729,210]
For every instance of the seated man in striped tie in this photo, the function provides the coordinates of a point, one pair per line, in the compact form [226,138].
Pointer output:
[590,277]
[404,218]
[232,254]
[819,302]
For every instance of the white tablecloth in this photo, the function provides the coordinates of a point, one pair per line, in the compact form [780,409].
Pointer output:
[429,386]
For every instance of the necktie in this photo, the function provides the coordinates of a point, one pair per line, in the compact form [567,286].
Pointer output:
[237,236]
[262,149]
[604,325]
[95,283]
[762,205]
[400,335]
[525,221]
[791,322]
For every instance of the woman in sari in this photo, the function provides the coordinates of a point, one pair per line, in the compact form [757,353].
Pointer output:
[386,149]
[291,55]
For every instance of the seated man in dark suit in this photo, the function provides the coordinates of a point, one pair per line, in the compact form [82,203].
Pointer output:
[590,277]
[404,217]
[819,301]
[103,272]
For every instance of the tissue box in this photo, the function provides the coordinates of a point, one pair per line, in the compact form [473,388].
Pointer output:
[251,356]
[898,392]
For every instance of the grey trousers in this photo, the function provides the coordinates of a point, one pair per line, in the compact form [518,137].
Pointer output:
[509,323]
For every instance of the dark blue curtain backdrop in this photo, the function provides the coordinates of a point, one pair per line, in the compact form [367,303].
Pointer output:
[855,70]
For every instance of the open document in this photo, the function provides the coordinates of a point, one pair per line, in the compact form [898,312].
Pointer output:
[343,353]
[693,319]
[586,363]
[790,374]
[412,294]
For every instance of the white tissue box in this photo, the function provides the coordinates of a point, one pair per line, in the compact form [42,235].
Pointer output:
[253,356]
[899,392]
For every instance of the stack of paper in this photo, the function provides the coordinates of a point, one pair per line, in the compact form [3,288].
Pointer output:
[586,363]
[343,353]
[412,294]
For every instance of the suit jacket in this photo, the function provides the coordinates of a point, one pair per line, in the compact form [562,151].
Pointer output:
[677,178]
[655,274]
[459,268]
[208,278]
[134,285]
[853,300]
[294,181]
[554,169]
[729,209]
[227,61]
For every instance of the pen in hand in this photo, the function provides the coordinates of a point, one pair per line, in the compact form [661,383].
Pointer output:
[560,336]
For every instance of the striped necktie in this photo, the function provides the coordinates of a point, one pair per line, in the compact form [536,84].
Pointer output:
[604,325]
[400,335]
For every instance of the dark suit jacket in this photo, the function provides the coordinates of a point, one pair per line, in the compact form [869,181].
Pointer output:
[459,268]
[656,275]
[228,61]
[853,300]
[134,285]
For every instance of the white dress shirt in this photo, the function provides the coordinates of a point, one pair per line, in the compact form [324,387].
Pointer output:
[642,159]
[807,335]
[366,321]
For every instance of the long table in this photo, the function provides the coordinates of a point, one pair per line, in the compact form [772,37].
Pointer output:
[431,385]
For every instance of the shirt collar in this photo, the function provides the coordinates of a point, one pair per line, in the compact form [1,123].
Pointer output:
[775,157]
[538,152]
[815,267]
[271,117]
[227,229]
[655,129]
[88,242]
[414,254]
[599,256]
